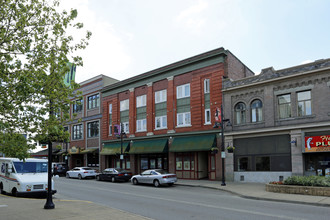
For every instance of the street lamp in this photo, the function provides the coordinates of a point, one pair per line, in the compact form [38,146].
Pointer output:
[219,120]
[122,134]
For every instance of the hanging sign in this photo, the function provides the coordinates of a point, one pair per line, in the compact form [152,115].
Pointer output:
[317,143]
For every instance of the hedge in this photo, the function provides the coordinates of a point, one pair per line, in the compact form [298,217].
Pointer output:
[308,181]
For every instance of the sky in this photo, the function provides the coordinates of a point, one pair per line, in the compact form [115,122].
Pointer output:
[131,37]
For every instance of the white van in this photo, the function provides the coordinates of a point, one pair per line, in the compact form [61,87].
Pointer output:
[24,178]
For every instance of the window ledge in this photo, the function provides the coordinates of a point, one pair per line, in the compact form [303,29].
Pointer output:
[157,129]
[183,126]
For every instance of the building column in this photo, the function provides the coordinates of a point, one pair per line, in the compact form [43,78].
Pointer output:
[297,160]
[150,116]
[132,116]
[171,104]
[229,162]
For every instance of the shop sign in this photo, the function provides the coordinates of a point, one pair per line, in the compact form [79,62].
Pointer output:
[317,143]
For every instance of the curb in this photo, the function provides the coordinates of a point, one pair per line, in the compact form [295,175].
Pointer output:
[258,198]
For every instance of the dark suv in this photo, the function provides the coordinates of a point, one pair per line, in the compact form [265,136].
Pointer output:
[59,168]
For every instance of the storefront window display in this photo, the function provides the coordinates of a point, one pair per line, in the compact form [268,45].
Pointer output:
[185,161]
[153,162]
[126,163]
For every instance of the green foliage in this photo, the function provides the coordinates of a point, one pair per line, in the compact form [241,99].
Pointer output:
[308,181]
[34,54]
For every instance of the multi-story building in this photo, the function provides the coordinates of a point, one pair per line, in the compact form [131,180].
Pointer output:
[167,116]
[85,129]
[281,123]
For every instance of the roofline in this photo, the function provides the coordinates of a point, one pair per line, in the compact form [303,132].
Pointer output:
[190,60]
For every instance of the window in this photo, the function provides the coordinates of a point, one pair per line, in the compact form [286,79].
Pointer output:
[206,86]
[77,106]
[183,91]
[304,103]
[262,164]
[77,132]
[124,105]
[207,116]
[185,161]
[141,101]
[125,127]
[93,101]
[93,129]
[284,106]
[183,119]
[161,122]
[240,117]
[160,96]
[110,119]
[256,111]
[141,125]
[243,164]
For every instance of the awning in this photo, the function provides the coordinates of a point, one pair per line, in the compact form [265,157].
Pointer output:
[89,151]
[193,143]
[114,148]
[149,146]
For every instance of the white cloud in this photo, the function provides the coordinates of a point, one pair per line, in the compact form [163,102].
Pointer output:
[191,17]
[105,53]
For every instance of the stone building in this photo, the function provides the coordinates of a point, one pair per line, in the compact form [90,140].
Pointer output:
[166,117]
[281,123]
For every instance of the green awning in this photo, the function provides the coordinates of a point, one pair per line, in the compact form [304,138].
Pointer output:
[193,143]
[114,148]
[149,146]
[89,150]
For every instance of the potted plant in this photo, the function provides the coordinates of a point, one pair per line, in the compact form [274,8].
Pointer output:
[230,149]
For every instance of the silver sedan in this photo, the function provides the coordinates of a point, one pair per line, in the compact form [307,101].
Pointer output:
[81,172]
[156,177]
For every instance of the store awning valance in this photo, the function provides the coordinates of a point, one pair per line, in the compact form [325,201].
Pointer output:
[193,143]
[114,148]
[89,150]
[149,146]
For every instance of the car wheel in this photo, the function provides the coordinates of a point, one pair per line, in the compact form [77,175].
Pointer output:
[67,175]
[97,178]
[1,189]
[79,176]
[14,192]
[113,179]
[135,181]
[156,183]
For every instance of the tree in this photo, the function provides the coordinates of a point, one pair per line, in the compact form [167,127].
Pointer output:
[35,51]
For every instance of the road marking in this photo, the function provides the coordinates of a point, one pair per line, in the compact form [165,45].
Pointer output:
[3,206]
[199,204]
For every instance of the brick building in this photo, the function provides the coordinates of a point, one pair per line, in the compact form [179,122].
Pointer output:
[167,116]
[85,129]
[281,123]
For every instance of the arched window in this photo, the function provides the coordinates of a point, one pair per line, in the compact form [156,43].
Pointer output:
[256,111]
[240,111]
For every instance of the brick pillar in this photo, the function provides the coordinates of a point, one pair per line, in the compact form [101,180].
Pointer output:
[171,104]
[132,117]
[150,105]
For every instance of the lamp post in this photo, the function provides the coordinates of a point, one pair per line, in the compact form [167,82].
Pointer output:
[219,119]
[49,203]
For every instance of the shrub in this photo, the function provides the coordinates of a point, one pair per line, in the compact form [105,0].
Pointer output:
[308,181]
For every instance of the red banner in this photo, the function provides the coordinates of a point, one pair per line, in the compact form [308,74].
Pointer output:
[317,143]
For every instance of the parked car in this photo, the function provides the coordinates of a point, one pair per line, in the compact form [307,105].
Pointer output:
[59,168]
[81,173]
[156,177]
[114,174]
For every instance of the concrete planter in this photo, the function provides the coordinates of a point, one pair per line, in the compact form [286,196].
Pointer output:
[305,190]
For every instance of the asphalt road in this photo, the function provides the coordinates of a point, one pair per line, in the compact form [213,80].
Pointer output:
[182,202]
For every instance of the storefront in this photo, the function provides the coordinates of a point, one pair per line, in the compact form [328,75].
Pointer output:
[76,158]
[261,159]
[150,154]
[317,154]
[111,152]
[193,157]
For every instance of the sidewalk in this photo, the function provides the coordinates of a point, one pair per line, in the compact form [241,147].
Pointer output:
[257,191]
[85,210]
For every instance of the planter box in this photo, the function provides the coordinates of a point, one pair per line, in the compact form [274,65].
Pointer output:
[305,190]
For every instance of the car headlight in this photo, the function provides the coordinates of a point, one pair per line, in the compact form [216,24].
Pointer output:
[28,186]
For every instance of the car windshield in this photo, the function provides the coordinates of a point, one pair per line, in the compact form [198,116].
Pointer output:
[86,168]
[161,171]
[31,167]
